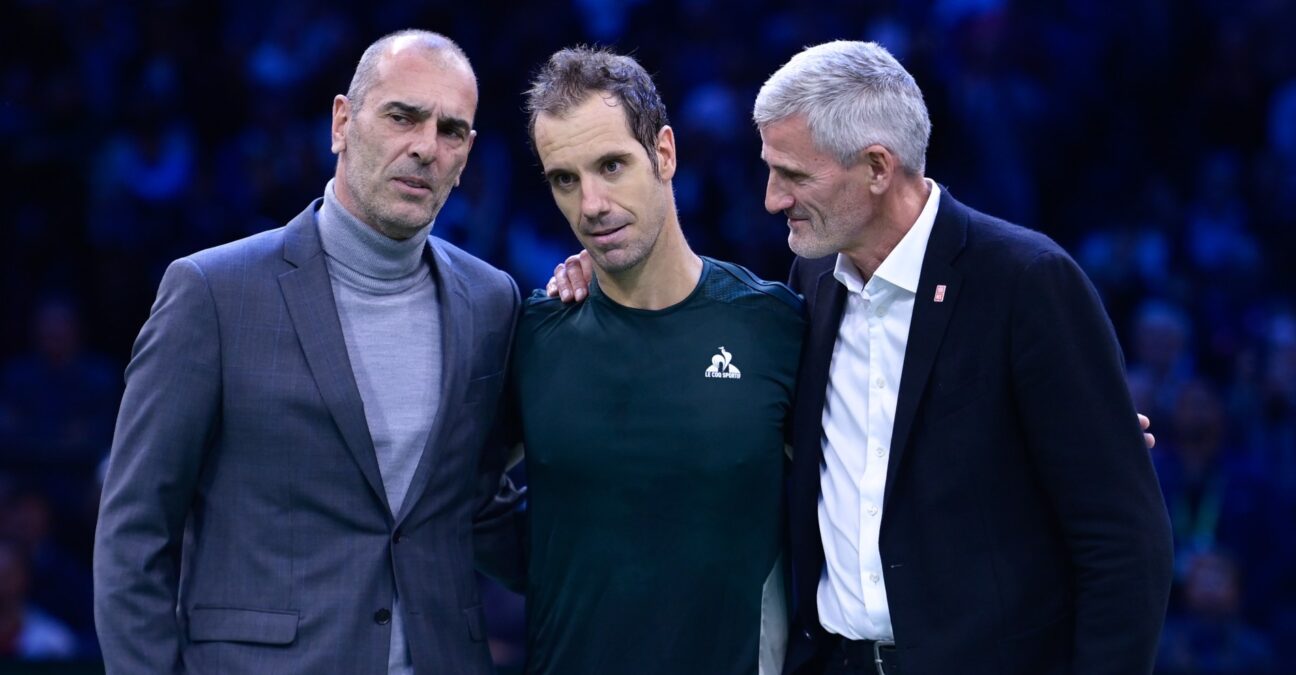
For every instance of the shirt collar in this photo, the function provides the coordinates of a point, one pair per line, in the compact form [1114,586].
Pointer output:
[902,267]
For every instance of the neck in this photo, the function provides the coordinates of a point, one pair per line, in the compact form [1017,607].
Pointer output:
[897,211]
[351,242]
[667,276]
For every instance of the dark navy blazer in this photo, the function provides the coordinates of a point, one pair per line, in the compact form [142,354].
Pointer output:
[1023,530]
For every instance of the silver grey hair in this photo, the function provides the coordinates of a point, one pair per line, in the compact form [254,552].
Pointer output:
[853,94]
[366,72]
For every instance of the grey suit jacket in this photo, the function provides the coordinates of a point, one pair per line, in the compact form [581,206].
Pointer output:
[244,527]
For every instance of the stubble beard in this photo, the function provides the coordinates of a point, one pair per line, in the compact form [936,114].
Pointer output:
[622,258]
[386,216]
[632,254]
[810,245]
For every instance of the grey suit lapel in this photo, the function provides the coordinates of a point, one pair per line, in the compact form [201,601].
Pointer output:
[456,322]
[309,295]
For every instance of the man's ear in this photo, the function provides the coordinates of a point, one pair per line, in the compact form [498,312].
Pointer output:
[472,136]
[881,166]
[341,117]
[666,158]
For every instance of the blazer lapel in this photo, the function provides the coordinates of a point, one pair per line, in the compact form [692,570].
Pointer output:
[826,300]
[930,318]
[308,293]
[830,302]
[456,334]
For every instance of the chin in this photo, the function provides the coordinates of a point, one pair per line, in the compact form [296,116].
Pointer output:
[615,261]
[412,221]
[808,248]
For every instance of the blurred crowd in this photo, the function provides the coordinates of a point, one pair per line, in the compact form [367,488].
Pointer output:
[1155,140]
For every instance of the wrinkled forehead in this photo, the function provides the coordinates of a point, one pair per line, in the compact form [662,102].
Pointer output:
[787,140]
[427,77]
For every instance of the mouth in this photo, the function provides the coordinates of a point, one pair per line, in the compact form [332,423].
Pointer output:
[413,184]
[607,236]
[796,218]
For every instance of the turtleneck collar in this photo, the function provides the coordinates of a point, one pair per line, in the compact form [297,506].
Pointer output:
[361,248]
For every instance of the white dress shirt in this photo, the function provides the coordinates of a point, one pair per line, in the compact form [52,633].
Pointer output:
[859,413]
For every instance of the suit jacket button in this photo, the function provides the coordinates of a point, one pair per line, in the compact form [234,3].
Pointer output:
[398,537]
[382,616]
[808,634]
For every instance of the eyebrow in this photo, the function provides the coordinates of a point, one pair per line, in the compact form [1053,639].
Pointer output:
[623,157]
[422,114]
[414,111]
[786,171]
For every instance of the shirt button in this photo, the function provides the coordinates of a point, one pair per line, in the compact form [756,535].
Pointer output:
[879,451]
[880,383]
[875,577]
[873,511]
[382,616]
[881,310]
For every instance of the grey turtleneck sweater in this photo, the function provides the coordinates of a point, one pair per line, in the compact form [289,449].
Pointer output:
[391,321]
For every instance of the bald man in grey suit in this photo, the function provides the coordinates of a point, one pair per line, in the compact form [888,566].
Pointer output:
[298,470]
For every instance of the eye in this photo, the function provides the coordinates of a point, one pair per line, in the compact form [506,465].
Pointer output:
[562,181]
[454,131]
[612,166]
[792,176]
[401,119]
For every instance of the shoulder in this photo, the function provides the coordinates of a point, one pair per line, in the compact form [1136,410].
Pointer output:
[473,269]
[266,250]
[238,267]
[539,302]
[1027,260]
[1024,263]
[1006,245]
[733,284]
[539,307]
[491,294]
[238,255]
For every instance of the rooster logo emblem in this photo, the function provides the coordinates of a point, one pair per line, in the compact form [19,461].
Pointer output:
[722,366]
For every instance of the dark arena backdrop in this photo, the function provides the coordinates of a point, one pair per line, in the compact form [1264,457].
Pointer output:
[1155,140]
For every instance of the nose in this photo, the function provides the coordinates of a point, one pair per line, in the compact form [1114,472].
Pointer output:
[594,200]
[423,147]
[776,197]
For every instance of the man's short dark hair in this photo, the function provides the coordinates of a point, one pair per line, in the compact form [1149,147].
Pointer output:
[571,75]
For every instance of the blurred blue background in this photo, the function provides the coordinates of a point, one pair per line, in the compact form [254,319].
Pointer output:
[1156,140]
